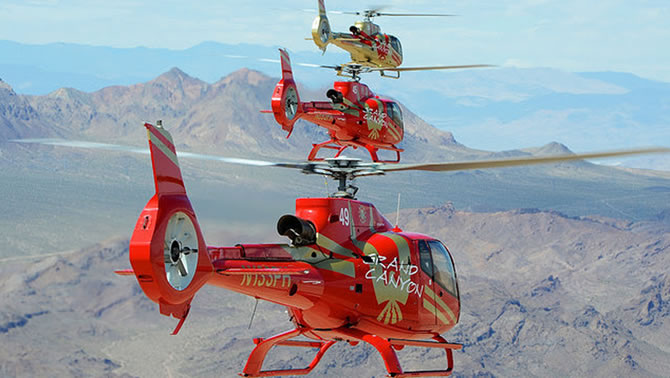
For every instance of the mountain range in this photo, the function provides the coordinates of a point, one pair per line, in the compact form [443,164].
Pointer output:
[223,118]
[562,268]
[492,109]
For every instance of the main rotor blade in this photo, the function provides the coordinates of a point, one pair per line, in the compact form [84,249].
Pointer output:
[531,160]
[417,14]
[139,150]
[400,69]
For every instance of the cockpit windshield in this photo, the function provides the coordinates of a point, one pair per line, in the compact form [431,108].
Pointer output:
[395,113]
[395,43]
[443,268]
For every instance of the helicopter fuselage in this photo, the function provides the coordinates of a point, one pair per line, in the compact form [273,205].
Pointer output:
[356,113]
[358,273]
[369,47]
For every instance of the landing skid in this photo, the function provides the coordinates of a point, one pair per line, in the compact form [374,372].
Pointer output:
[263,346]
[386,348]
[340,146]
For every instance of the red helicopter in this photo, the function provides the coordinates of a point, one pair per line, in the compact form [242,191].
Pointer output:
[347,274]
[354,116]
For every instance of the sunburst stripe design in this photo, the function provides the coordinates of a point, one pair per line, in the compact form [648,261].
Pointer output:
[165,134]
[429,306]
[285,58]
[431,294]
[333,264]
[350,104]
[331,245]
[392,129]
[156,141]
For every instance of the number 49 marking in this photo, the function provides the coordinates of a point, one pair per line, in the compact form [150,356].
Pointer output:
[344,216]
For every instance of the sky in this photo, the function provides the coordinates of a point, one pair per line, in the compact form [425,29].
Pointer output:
[572,35]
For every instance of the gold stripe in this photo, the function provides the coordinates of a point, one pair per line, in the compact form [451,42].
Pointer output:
[350,103]
[163,148]
[331,245]
[165,134]
[321,260]
[429,306]
[401,244]
[393,131]
[285,59]
[372,219]
[440,302]
[339,266]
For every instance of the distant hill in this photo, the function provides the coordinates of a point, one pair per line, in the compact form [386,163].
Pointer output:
[40,69]
[507,108]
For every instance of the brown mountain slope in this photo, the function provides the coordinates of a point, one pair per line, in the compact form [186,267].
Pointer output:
[19,119]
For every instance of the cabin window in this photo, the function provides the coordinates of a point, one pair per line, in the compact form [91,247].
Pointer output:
[443,267]
[425,259]
[395,113]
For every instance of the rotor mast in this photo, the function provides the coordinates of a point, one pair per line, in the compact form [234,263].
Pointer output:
[344,170]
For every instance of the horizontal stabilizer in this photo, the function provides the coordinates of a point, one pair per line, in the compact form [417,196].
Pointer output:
[243,271]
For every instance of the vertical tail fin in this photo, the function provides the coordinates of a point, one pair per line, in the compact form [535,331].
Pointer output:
[286,70]
[167,173]
[167,251]
[321,34]
[322,8]
[286,105]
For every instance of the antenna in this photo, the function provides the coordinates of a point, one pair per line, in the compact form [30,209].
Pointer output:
[397,212]
[253,313]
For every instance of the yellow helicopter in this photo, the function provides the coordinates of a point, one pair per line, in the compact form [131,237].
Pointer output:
[370,49]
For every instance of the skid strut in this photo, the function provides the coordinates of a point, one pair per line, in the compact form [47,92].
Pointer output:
[340,146]
[263,346]
[387,349]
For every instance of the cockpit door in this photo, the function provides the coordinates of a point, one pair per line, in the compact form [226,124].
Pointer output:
[445,296]
[426,305]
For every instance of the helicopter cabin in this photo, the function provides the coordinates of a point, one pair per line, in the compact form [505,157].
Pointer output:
[349,244]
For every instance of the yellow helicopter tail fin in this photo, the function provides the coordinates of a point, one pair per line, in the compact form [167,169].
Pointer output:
[321,34]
